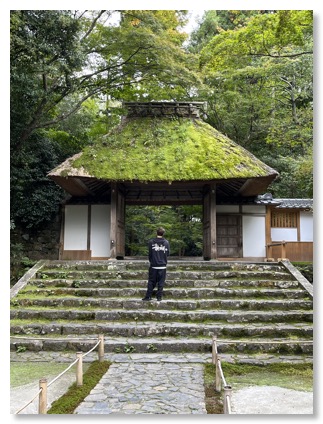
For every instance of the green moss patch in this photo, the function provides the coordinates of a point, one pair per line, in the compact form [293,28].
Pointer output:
[67,403]
[289,376]
[168,149]
[213,399]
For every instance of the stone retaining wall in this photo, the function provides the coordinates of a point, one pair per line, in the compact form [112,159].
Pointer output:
[41,244]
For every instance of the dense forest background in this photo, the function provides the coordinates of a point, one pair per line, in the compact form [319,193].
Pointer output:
[70,71]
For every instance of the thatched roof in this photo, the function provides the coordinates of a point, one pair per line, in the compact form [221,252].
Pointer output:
[157,147]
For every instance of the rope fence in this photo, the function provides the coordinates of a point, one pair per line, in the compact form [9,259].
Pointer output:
[43,386]
[219,378]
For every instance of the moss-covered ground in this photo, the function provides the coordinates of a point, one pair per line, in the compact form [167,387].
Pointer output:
[67,403]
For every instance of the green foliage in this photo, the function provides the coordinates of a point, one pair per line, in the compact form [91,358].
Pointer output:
[260,92]
[306,269]
[214,22]
[183,225]
[265,35]
[67,68]
[295,176]
[19,264]
[67,403]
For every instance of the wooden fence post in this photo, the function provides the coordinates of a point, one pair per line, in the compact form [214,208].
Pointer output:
[215,360]
[227,399]
[218,380]
[214,350]
[101,348]
[42,402]
[79,369]
[283,249]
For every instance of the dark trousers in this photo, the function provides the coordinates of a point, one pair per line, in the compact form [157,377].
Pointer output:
[156,277]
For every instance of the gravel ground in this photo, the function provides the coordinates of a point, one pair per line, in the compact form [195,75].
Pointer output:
[271,400]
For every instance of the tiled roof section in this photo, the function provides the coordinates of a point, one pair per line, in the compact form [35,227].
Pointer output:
[295,203]
[267,199]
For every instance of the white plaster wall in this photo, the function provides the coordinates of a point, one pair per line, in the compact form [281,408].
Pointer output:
[254,236]
[75,228]
[306,226]
[254,209]
[284,234]
[100,231]
[227,208]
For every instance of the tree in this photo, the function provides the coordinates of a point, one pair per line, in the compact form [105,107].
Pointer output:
[214,22]
[260,86]
[60,60]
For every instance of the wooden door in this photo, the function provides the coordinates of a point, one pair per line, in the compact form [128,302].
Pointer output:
[229,236]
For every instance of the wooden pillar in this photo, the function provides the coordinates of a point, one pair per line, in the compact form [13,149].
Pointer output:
[209,223]
[79,369]
[268,232]
[114,220]
[117,229]
[42,399]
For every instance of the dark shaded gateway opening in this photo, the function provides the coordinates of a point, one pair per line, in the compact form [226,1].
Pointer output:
[183,225]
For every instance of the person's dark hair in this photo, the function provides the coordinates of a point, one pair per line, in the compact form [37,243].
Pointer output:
[160,231]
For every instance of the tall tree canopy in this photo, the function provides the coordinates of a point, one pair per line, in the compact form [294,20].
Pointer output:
[70,68]
[260,91]
[60,59]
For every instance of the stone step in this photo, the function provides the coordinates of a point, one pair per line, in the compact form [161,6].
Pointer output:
[138,304]
[143,329]
[162,315]
[184,283]
[252,307]
[165,344]
[172,265]
[174,293]
[171,275]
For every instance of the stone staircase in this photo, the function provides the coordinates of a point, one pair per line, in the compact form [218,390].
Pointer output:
[252,308]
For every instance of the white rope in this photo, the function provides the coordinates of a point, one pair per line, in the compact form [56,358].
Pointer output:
[60,375]
[221,372]
[92,348]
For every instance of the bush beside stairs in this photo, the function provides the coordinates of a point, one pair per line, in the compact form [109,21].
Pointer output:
[252,308]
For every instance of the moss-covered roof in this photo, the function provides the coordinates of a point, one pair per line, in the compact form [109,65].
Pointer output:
[150,149]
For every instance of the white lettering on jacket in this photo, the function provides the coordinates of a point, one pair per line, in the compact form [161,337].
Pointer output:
[157,247]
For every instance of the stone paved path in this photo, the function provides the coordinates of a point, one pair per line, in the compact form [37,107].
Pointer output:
[150,388]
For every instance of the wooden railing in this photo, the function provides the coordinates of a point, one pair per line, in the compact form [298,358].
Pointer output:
[283,249]
[43,386]
[220,380]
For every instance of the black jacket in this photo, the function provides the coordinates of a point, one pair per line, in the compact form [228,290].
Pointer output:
[158,252]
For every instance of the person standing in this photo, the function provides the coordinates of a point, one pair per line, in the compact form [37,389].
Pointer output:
[159,250]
